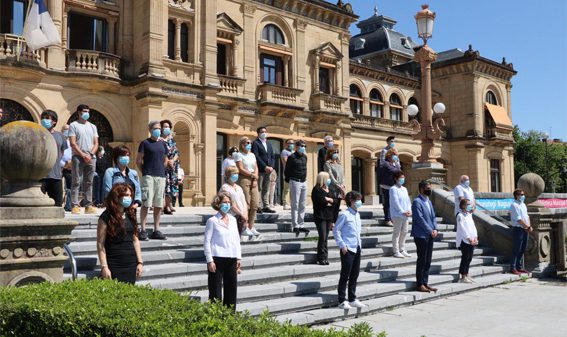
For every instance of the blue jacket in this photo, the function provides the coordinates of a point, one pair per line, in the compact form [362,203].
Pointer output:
[423,218]
[114,176]
[263,158]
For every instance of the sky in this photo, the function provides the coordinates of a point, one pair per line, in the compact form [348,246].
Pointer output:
[530,34]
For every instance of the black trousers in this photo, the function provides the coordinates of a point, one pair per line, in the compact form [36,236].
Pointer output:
[466,258]
[336,209]
[224,277]
[350,268]
[54,189]
[386,203]
[424,253]
[323,228]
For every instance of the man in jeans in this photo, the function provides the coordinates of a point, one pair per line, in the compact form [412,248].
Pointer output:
[289,146]
[83,137]
[52,183]
[151,161]
[521,229]
[264,153]
[295,175]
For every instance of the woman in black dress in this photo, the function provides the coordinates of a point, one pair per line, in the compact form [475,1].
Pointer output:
[118,247]
[323,212]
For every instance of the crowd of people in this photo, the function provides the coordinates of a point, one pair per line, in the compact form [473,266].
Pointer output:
[249,175]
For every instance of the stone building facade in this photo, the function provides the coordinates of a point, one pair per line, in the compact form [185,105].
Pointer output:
[218,69]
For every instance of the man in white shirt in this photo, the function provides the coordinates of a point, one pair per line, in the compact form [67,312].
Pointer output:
[521,227]
[464,191]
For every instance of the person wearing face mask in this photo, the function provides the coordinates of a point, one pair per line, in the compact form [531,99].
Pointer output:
[322,153]
[51,184]
[296,175]
[83,136]
[117,241]
[424,232]
[65,163]
[400,211]
[229,161]
[466,240]
[391,141]
[283,157]
[122,174]
[387,171]
[103,162]
[323,205]
[335,170]
[248,180]
[264,153]
[239,207]
[151,161]
[521,228]
[222,252]
[172,166]
[347,235]
[464,191]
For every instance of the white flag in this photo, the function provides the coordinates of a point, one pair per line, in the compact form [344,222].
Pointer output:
[39,29]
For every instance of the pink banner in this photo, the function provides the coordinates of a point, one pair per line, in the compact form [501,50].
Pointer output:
[554,203]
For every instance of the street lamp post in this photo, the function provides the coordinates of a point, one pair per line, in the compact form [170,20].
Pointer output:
[429,130]
[544,139]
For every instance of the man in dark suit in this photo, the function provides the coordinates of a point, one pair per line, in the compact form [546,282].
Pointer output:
[264,153]
[424,231]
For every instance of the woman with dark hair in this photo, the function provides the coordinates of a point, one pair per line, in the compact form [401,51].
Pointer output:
[172,167]
[335,170]
[121,173]
[117,242]
[229,161]
[466,240]
[387,170]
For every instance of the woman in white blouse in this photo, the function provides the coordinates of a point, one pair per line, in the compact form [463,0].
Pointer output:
[248,179]
[467,239]
[239,207]
[400,211]
[222,251]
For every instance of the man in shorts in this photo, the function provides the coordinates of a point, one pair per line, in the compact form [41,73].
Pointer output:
[151,161]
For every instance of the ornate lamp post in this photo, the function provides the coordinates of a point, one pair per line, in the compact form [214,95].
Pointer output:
[428,130]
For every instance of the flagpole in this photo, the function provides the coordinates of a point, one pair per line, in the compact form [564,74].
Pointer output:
[19,44]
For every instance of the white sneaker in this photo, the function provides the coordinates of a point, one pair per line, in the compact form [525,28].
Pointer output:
[470,279]
[406,254]
[357,304]
[254,231]
[248,232]
[399,255]
[464,279]
[345,305]
[286,208]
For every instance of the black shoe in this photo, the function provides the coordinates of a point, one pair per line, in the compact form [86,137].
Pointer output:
[259,211]
[296,230]
[268,210]
[157,235]
[304,230]
[321,263]
[143,235]
[326,262]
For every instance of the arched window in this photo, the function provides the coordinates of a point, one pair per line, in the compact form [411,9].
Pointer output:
[273,34]
[184,42]
[171,39]
[355,99]
[395,107]
[491,98]
[376,104]
[13,111]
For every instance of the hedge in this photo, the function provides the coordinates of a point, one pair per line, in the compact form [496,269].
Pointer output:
[109,308]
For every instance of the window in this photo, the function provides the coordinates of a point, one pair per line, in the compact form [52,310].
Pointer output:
[13,21]
[355,99]
[184,42]
[87,32]
[491,98]
[324,80]
[376,104]
[495,175]
[271,68]
[171,40]
[395,108]
[221,59]
[272,34]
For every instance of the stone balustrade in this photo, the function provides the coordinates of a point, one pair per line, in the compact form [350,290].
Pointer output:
[269,93]
[327,103]
[369,122]
[231,86]
[14,48]
[183,71]
[94,62]
[499,133]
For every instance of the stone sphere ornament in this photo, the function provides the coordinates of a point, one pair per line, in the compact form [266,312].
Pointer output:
[533,186]
[28,152]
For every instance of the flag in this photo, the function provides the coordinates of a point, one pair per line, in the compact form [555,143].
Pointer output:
[39,29]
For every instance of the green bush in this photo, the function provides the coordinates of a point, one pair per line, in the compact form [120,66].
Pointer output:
[108,308]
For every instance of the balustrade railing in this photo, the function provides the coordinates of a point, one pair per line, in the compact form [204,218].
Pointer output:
[89,61]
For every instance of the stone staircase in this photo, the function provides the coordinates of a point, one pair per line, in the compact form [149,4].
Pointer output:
[279,273]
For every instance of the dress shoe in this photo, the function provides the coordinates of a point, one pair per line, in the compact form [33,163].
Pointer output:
[259,211]
[431,288]
[268,210]
[515,272]
[523,271]
[423,289]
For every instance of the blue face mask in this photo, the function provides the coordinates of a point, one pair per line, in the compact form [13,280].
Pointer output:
[330,145]
[395,158]
[86,116]
[469,208]
[46,123]
[392,145]
[301,149]
[248,147]
[234,177]
[156,133]
[224,207]
[402,181]
[335,156]
[522,198]
[124,160]
[263,136]
[66,133]
[166,131]
[467,183]
[328,182]
[357,204]
[291,147]
[126,201]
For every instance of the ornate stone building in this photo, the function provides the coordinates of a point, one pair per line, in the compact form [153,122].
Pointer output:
[218,69]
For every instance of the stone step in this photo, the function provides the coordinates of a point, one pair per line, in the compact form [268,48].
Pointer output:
[484,277]
[369,287]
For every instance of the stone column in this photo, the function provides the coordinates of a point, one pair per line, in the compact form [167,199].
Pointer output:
[316,74]
[337,85]
[386,108]
[235,66]
[300,58]
[345,154]
[250,50]
[112,35]
[56,53]
[208,160]
[477,108]
[366,106]
[177,40]
[286,69]
[209,28]
[370,197]
[64,28]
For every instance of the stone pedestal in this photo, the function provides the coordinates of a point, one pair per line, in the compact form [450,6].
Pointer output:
[433,172]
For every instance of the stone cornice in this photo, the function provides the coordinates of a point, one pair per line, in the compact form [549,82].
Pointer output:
[472,62]
[386,75]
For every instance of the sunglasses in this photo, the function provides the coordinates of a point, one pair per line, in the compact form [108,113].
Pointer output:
[248,143]
[302,145]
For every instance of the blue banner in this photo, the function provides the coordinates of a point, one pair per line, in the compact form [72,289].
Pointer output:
[495,204]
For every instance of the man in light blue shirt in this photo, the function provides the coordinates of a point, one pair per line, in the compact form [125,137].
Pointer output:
[521,228]
[347,235]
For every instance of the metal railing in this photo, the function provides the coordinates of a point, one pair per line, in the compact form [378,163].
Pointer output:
[72,261]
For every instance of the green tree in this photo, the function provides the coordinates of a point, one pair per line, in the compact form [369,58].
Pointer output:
[531,155]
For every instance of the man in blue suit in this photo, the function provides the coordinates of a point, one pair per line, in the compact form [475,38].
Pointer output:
[424,231]
[264,153]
